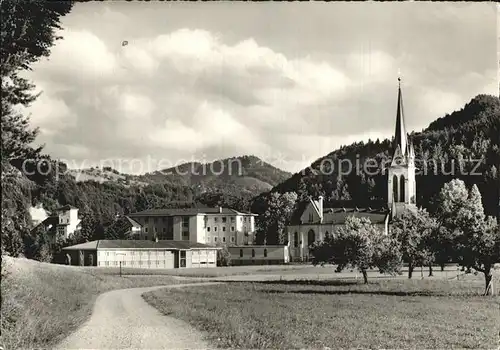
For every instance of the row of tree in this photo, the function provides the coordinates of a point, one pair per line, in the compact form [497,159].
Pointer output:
[459,232]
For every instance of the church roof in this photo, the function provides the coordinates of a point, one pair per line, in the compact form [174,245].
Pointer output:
[335,212]
[400,135]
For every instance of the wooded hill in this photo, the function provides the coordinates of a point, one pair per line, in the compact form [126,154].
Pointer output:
[468,138]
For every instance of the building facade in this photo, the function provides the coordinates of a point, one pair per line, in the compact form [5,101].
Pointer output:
[313,222]
[211,226]
[62,223]
[141,254]
[259,255]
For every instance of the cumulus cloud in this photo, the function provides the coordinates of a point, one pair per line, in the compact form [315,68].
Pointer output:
[211,88]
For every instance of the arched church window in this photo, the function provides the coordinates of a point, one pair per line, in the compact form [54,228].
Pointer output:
[402,185]
[395,188]
[311,237]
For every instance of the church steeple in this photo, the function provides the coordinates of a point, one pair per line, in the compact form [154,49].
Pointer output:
[401,192]
[400,135]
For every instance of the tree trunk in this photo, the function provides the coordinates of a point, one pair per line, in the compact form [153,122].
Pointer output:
[488,277]
[430,270]
[365,276]
[410,270]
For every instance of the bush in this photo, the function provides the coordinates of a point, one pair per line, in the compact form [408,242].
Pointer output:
[223,256]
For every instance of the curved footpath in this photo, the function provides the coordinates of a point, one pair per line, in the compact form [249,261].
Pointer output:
[121,319]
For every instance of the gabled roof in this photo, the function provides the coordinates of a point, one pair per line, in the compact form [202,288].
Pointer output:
[336,213]
[52,221]
[185,211]
[66,207]
[138,244]
[338,216]
[133,222]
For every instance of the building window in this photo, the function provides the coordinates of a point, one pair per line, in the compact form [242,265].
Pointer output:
[146,229]
[215,228]
[241,253]
[265,253]
[295,239]
[224,239]
[185,228]
[216,219]
[241,219]
[224,229]
[395,196]
[215,239]
[208,229]
[164,230]
[232,239]
[224,219]
[61,231]
[232,219]
[183,258]
[402,189]
[253,253]
[232,228]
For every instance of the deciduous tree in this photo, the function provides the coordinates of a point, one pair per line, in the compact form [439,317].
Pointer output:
[413,230]
[358,244]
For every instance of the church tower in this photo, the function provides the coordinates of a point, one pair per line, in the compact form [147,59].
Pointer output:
[401,189]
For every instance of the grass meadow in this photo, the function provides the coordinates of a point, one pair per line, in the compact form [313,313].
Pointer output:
[42,303]
[393,313]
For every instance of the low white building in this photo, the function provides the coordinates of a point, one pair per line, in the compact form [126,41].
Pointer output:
[141,254]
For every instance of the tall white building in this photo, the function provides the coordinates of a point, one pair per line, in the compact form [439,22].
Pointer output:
[62,223]
[210,226]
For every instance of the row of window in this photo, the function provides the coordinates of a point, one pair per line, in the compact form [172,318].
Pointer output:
[223,229]
[253,253]
[223,239]
[311,237]
[185,220]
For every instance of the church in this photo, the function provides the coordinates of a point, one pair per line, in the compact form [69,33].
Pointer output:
[312,221]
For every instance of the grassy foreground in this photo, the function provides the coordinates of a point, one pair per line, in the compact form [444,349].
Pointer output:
[338,314]
[42,303]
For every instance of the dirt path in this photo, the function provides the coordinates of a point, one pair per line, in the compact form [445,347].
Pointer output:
[121,319]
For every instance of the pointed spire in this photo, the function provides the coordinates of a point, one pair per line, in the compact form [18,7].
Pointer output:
[400,136]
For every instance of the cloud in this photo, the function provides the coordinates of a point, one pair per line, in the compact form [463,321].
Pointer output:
[206,85]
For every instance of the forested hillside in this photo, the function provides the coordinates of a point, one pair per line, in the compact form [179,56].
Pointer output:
[467,139]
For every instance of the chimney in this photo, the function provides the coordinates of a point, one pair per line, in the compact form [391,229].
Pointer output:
[220,210]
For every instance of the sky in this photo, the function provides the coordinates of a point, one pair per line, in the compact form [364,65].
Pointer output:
[287,82]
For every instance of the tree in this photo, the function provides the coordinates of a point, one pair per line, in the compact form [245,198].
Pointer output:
[271,225]
[478,243]
[16,219]
[358,244]
[27,33]
[452,197]
[28,30]
[223,256]
[413,230]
